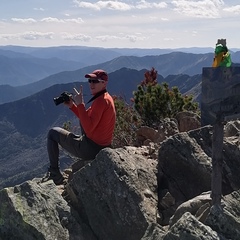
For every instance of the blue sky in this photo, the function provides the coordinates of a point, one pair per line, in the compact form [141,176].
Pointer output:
[122,24]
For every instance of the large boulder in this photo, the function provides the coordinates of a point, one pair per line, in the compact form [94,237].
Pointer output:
[188,121]
[226,218]
[185,168]
[117,194]
[197,219]
[199,207]
[183,122]
[232,128]
[35,210]
[189,228]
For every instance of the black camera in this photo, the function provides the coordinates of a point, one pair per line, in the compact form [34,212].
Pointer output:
[64,97]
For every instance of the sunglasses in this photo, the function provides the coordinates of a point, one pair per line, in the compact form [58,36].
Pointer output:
[95,80]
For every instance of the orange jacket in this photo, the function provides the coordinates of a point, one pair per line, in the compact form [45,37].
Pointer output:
[98,121]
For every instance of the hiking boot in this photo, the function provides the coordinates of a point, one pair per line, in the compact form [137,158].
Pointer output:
[55,175]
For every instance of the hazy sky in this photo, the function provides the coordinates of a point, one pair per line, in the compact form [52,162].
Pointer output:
[126,23]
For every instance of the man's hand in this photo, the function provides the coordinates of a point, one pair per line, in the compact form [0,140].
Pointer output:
[69,103]
[78,98]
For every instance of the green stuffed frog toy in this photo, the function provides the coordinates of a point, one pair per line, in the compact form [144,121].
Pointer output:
[222,56]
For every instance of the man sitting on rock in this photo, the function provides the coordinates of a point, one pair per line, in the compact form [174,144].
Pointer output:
[97,124]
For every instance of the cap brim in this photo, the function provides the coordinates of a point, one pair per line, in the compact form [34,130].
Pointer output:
[91,75]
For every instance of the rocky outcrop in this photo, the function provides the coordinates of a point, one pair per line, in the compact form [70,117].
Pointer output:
[197,219]
[184,122]
[122,187]
[188,121]
[132,193]
[113,197]
[184,168]
[35,210]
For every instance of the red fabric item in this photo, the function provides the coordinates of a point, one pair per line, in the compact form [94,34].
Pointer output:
[99,74]
[98,121]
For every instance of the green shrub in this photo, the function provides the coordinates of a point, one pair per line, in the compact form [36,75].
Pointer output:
[154,101]
[127,121]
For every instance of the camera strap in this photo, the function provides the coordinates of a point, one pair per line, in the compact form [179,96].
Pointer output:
[97,95]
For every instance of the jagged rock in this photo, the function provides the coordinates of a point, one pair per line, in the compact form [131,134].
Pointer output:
[35,210]
[226,219]
[189,228]
[185,166]
[146,133]
[231,165]
[166,206]
[232,128]
[116,194]
[223,220]
[184,121]
[166,128]
[188,121]
[154,232]
[196,206]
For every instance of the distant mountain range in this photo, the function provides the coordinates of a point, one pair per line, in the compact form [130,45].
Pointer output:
[27,111]
[24,65]
[18,68]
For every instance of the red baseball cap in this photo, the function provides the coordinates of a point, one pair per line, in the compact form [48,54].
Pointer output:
[99,74]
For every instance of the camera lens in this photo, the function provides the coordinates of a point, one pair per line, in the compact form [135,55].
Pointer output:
[58,100]
[64,97]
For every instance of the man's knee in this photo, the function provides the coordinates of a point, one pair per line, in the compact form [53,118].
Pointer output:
[50,133]
[53,133]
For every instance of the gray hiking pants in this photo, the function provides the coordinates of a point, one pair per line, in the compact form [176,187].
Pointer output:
[78,146]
